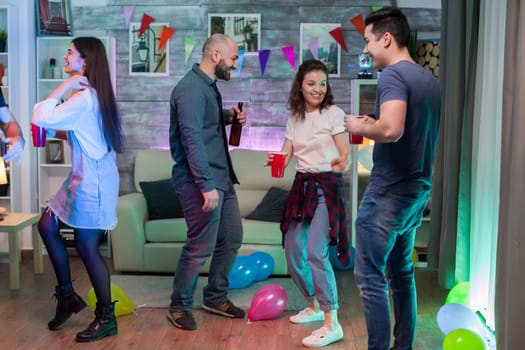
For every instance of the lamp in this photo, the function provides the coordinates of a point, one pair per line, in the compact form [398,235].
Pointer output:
[143,50]
[3,174]
[365,62]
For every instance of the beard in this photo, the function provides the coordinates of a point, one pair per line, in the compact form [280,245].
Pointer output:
[222,70]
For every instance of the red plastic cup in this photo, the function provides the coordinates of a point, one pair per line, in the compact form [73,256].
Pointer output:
[39,135]
[356,139]
[278,164]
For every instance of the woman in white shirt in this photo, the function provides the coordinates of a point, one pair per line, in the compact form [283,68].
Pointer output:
[88,119]
[314,215]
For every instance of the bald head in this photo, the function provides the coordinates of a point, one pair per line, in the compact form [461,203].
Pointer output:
[217,42]
[219,56]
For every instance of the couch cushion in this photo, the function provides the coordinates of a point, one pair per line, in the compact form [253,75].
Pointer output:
[151,165]
[162,199]
[166,230]
[261,232]
[271,207]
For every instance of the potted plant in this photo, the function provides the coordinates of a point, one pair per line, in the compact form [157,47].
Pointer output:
[3,40]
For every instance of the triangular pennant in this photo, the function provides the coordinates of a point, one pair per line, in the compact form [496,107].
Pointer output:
[337,33]
[263,59]
[377,8]
[128,14]
[289,53]
[165,35]
[189,44]
[359,23]
[313,46]
[144,24]
[240,61]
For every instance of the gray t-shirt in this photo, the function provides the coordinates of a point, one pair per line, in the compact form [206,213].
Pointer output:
[405,166]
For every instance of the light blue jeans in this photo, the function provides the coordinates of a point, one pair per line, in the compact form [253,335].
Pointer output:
[217,234]
[385,230]
[306,247]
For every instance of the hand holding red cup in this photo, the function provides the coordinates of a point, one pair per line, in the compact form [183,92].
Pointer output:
[278,164]
[355,139]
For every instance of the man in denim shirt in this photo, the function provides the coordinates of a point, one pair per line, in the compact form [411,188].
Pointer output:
[203,177]
[405,129]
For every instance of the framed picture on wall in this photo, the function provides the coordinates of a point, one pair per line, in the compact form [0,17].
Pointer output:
[145,56]
[53,17]
[245,29]
[54,152]
[316,36]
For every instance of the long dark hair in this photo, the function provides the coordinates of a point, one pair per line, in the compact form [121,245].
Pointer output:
[392,20]
[296,101]
[92,50]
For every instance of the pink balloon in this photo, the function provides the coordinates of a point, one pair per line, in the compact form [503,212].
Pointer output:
[268,302]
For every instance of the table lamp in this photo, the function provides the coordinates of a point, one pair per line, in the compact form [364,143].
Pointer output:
[365,62]
[3,174]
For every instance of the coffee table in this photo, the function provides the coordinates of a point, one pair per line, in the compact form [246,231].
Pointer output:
[13,223]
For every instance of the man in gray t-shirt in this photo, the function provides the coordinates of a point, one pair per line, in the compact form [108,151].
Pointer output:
[405,128]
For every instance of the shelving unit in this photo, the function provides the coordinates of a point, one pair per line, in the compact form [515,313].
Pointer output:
[6,191]
[362,101]
[51,174]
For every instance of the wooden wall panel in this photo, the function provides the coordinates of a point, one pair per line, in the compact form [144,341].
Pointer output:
[144,101]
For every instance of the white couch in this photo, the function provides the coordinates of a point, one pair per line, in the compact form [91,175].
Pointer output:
[143,245]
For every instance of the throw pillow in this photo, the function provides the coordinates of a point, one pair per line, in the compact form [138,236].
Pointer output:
[162,199]
[271,207]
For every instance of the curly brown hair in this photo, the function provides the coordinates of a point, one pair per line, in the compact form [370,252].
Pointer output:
[296,101]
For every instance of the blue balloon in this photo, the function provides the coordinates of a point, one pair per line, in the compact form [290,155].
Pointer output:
[264,265]
[242,273]
[332,255]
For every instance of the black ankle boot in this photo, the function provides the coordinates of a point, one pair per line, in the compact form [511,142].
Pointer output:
[104,324]
[67,303]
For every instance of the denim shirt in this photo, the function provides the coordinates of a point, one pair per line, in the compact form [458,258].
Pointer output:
[197,136]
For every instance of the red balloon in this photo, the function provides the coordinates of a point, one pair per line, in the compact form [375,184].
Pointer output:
[268,302]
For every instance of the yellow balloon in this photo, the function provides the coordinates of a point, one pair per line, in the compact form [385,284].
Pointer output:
[123,304]
[414,256]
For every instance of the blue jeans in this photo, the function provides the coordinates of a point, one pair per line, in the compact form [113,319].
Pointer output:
[306,248]
[218,232]
[385,230]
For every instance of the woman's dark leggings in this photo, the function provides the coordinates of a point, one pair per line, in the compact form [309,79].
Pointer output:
[87,242]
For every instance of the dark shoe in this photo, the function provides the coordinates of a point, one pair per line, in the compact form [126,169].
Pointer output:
[104,324]
[226,309]
[67,304]
[182,319]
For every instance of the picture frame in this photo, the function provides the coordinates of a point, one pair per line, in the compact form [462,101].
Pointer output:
[329,51]
[53,17]
[243,28]
[145,58]
[54,152]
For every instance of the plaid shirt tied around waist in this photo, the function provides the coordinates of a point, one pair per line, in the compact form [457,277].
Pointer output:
[302,202]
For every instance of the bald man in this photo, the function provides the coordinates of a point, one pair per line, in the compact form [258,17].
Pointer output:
[203,178]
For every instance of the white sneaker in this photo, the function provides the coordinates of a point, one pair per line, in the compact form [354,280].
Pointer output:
[323,336]
[307,315]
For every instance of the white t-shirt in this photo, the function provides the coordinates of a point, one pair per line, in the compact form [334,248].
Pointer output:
[312,139]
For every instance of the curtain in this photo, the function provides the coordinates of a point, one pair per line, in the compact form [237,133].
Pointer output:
[510,275]
[449,234]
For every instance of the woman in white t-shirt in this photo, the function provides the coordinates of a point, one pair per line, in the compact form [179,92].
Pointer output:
[87,200]
[315,210]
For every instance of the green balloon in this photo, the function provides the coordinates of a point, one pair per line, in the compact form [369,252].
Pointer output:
[460,294]
[463,339]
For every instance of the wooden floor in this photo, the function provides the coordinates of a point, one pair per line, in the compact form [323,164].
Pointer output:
[25,314]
